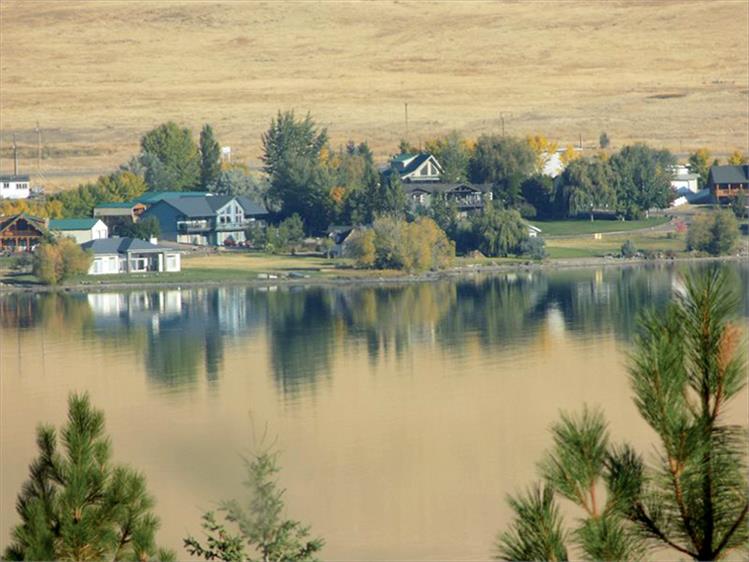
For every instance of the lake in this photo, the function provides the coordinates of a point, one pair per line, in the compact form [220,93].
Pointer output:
[404,413]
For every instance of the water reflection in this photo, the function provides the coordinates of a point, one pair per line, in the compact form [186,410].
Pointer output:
[183,333]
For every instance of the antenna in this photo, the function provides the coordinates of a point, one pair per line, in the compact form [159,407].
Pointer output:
[15,156]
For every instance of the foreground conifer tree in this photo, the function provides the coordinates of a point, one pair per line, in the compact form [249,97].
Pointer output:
[686,367]
[77,505]
[261,525]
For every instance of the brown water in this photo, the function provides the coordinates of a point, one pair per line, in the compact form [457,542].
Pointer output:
[404,414]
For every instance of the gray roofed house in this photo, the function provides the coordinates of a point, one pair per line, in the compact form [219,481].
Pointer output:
[467,197]
[206,220]
[726,182]
[130,255]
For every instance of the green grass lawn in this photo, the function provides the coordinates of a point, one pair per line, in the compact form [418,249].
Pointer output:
[587,247]
[573,227]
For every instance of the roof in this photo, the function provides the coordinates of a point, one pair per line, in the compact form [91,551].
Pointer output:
[250,207]
[533,227]
[445,187]
[191,206]
[117,245]
[11,177]
[117,205]
[38,223]
[730,174]
[72,224]
[150,197]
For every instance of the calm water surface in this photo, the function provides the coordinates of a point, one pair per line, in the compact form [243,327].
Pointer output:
[404,414]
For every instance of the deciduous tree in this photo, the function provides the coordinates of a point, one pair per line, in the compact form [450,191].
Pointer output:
[642,179]
[171,158]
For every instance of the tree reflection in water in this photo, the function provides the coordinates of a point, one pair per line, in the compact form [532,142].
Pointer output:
[183,333]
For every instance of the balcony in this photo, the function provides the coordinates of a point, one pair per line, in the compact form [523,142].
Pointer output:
[236,225]
[193,227]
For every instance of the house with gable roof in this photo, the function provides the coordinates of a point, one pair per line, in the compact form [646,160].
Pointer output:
[726,182]
[21,233]
[415,168]
[130,255]
[208,220]
[81,230]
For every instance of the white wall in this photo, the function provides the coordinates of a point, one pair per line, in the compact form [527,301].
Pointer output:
[172,262]
[14,190]
[105,265]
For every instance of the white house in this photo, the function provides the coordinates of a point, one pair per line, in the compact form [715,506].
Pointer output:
[81,230]
[683,182]
[14,187]
[130,255]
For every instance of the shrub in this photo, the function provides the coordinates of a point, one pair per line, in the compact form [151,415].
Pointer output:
[54,262]
[361,248]
[715,234]
[534,248]
[286,236]
[628,249]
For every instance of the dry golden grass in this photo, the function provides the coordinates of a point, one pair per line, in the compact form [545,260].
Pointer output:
[97,74]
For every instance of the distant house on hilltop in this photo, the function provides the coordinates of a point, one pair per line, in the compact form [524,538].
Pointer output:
[208,220]
[726,182]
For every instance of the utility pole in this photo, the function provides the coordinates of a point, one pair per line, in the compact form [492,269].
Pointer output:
[581,141]
[502,122]
[38,149]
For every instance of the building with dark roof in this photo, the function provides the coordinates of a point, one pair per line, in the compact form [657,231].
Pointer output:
[726,182]
[130,255]
[209,220]
[415,168]
[467,197]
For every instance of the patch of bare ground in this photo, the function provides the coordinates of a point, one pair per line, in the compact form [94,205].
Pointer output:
[96,75]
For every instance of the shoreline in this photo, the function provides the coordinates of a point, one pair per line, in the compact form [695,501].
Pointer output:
[373,279]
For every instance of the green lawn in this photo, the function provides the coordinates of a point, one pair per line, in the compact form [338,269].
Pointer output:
[573,227]
[586,246]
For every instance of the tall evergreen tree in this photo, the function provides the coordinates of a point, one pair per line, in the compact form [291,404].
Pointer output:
[261,525]
[210,154]
[77,504]
[686,368]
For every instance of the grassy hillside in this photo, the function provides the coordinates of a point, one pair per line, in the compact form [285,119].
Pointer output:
[96,75]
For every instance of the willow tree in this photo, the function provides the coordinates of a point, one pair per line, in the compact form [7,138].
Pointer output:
[77,504]
[686,368]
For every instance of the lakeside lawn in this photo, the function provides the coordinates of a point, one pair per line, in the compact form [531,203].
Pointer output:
[576,227]
[587,247]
